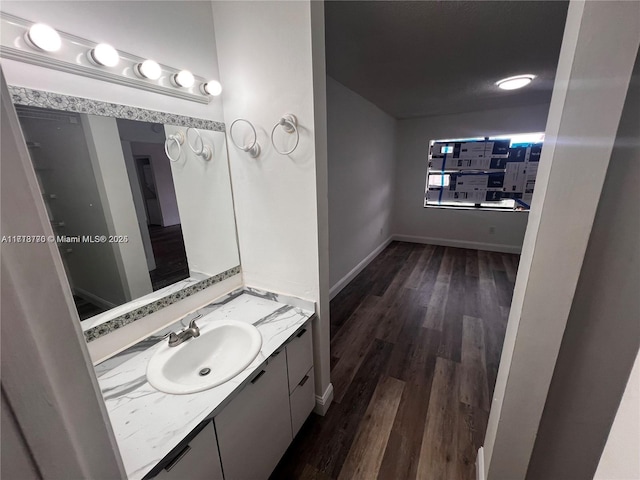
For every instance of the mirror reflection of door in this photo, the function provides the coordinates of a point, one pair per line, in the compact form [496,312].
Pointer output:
[163,222]
[152,186]
[148,187]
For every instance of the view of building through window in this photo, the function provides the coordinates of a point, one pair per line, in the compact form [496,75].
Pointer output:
[495,172]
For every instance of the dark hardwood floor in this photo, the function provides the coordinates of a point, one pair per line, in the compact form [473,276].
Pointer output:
[170,255]
[415,345]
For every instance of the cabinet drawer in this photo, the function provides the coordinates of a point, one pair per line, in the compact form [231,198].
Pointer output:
[302,402]
[254,430]
[299,357]
[199,460]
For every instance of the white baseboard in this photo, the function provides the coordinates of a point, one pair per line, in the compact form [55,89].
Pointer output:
[323,402]
[100,302]
[445,242]
[480,464]
[344,281]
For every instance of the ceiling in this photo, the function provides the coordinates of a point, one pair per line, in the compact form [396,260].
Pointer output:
[420,58]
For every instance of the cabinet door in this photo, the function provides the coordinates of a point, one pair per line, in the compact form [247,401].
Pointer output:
[299,357]
[254,430]
[302,400]
[199,460]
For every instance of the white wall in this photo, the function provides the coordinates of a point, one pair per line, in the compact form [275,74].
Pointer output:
[586,106]
[205,203]
[460,228]
[177,33]
[266,75]
[264,52]
[107,159]
[602,337]
[362,153]
[620,459]
[321,327]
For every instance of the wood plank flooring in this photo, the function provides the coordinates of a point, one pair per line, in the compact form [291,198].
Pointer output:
[415,346]
[170,256]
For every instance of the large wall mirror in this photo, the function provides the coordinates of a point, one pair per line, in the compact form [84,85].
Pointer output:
[140,219]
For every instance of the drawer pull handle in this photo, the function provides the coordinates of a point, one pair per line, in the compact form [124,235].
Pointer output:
[302,332]
[304,380]
[257,377]
[179,457]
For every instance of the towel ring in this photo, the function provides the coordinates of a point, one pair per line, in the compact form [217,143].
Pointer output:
[254,149]
[204,151]
[289,124]
[178,138]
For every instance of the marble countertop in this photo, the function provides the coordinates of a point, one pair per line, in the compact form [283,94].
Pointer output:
[148,423]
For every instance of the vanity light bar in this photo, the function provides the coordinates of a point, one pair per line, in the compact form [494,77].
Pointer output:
[41,45]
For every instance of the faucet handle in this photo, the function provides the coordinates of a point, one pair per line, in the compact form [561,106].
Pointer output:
[173,339]
[192,323]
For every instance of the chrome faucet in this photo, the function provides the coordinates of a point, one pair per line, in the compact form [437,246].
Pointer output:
[176,339]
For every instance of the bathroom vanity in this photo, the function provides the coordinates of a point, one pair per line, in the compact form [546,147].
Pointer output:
[237,430]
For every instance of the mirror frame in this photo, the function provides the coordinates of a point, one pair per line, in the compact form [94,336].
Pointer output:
[50,100]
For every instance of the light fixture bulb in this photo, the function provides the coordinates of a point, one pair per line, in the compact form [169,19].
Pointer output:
[149,69]
[184,78]
[513,83]
[105,55]
[212,87]
[43,37]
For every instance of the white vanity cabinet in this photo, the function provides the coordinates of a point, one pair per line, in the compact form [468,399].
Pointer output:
[198,460]
[254,428]
[301,380]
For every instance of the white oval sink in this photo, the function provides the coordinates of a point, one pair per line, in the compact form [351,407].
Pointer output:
[222,350]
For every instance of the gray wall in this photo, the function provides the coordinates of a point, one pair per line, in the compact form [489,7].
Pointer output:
[462,228]
[16,461]
[362,150]
[602,336]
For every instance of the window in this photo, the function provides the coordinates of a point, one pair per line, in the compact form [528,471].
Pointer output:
[493,172]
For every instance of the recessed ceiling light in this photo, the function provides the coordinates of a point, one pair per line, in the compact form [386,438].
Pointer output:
[513,83]
[105,55]
[184,78]
[212,87]
[43,37]
[149,69]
